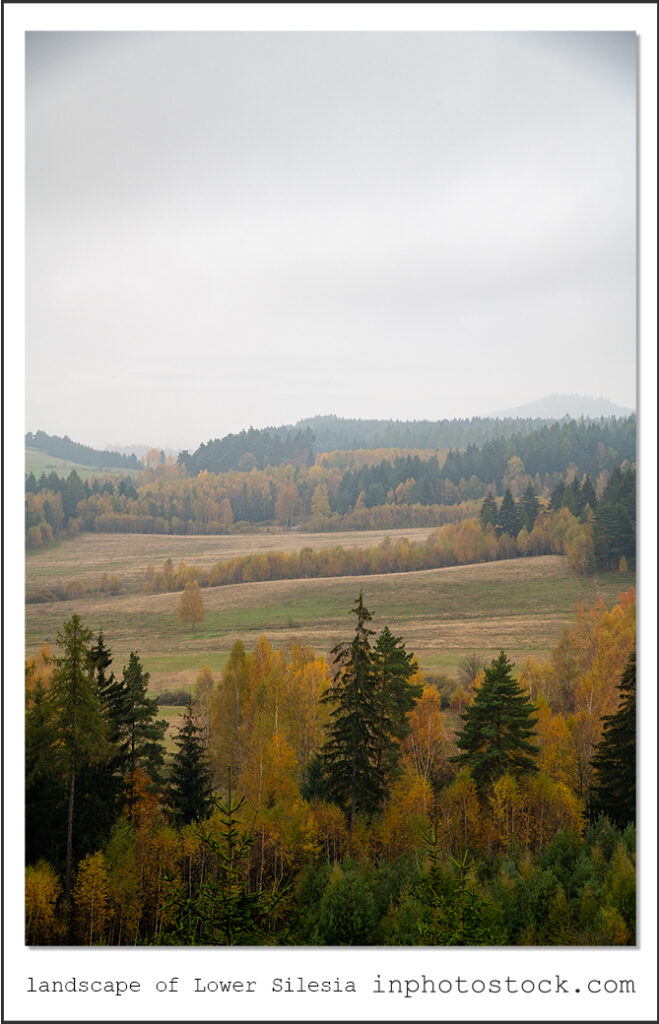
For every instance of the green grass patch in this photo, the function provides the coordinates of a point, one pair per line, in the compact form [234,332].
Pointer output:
[40,462]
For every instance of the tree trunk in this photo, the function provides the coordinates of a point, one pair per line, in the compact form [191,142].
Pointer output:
[69,831]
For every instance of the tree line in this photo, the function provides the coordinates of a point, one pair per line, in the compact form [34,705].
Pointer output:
[73,451]
[400,491]
[336,803]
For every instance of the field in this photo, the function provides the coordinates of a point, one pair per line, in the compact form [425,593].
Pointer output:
[127,555]
[40,462]
[521,605]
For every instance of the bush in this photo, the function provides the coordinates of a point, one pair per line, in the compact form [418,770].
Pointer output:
[174,697]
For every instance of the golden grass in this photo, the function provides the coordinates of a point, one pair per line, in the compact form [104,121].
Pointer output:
[521,605]
[89,555]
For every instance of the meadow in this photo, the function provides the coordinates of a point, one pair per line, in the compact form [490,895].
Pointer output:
[39,462]
[521,605]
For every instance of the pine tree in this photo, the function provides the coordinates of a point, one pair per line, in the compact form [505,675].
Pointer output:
[190,790]
[499,724]
[614,787]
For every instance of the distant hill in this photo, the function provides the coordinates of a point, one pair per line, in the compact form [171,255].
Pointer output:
[555,407]
[81,454]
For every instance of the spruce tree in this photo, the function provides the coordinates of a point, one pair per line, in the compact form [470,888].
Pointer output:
[350,751]
[101,785]
[509,515]
[394,697]
[614,786]
[141,743]
[489,512]
[370,697]
[190,789]
[226,909]
[530,507]
[498,727]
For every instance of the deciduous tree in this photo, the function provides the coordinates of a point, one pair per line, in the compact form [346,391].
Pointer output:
[191,606]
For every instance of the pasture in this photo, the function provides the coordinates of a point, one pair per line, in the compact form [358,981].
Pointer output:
[520,605]
[39,462]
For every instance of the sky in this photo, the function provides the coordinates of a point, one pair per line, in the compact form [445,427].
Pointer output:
[234,229]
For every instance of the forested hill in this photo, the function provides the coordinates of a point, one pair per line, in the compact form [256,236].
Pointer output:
[65,448]
[252,449]
[300,443]
[333,433]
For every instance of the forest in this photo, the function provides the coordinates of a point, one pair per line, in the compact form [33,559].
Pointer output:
[340,801]
[586,468]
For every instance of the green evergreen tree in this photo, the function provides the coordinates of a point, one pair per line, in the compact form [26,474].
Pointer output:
[45,794]
[101,785]
[141,734]
[79,720]
[509,515]
[190,789]
[225,909]
[453,913]
[498,727]
[350,752]
[614,764]
[489,512]
[530,506]
[588,493]
[615,520]
[394,697]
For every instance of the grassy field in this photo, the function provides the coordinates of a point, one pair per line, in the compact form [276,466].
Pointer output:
[521,605]
[127,555]
[40,462]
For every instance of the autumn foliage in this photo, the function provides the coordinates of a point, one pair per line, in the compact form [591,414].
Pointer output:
[445,854]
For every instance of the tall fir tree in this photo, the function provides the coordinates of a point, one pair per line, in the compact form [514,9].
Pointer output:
[394,696]
[370,696]
[509,515]
[79,720]
[498,728]
[190,787]
[142,734]
[101,785]
[613,790]
[45,792]
[349,754]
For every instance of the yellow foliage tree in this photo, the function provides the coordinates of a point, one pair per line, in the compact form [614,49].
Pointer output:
[90,899]
[191,605]
[42,891]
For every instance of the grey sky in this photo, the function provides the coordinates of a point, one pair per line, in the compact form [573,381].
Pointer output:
[226,229]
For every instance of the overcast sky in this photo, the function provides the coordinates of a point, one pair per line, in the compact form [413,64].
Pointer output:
[234,229]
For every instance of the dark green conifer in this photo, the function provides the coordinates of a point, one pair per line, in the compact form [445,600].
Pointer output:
[190,789]
[614,764]
[498,727]
[351,749]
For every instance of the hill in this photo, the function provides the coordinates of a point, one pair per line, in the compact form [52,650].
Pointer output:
[557,407]
[79,454]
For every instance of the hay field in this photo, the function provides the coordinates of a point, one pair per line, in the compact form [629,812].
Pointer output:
[521,605]
[127,555]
